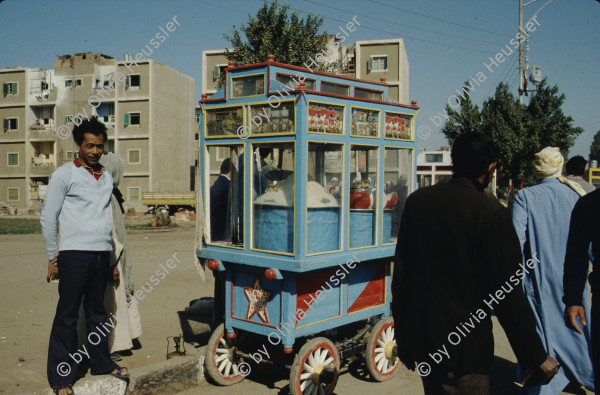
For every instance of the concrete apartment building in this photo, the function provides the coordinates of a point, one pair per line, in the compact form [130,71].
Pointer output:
[368,60]
[148,112]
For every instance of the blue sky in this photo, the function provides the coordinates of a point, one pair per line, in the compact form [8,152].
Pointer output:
[446,42]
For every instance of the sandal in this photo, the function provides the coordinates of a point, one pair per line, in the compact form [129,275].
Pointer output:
[57,388]
[117,373]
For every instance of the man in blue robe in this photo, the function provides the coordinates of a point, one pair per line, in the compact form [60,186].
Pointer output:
[541,216]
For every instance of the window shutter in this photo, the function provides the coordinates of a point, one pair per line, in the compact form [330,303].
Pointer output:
[5,89]
[127,119]
[14,88]
[6,124]
[370,65]
[127,82]
[216,72]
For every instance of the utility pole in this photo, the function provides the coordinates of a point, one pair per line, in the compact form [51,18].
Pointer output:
[521,69]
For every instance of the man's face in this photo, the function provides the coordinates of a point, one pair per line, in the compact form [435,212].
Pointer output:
[91,149]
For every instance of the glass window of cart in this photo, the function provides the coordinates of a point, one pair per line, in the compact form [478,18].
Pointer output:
[325,118]
[251,85]
[398,126]
[365,123]
[224,121]
[225,197]
[363,196]
[324,197]
[273,196]
[265,119]
[398,181]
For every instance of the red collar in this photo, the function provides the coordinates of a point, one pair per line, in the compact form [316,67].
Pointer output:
[96,173]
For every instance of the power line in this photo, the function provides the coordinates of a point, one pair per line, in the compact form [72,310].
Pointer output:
[396,34]
[438,19]
[465,14]
[401,24]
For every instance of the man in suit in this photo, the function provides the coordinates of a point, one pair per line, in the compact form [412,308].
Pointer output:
[220,229]
[219,204]
[457,257]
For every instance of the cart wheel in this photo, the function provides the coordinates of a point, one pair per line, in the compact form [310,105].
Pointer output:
[381,363]
[316,368]
[222,362]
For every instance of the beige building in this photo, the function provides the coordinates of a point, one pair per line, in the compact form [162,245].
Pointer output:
[148,110]
[368,60]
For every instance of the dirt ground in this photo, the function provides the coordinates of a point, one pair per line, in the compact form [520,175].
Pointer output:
[28,305]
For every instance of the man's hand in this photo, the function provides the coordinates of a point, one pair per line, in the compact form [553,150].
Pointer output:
[549,368]
[571,314]
[52,269]
[116,276]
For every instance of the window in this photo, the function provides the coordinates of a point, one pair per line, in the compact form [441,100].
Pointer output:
[132,118]
[365,122]
[78,82]
[252,85]
[10,88]
[280,119]
[133,193]
[434,157]
[368,94]
[293,82]
[133,81]
[68,118]
[44,85]
[224,121]
[13,159]
[68,83]
[70,155]
[398,184]
[10,124]
[363,185]
[338,89]
[13,194]
[325,118]
[398,126]
[198,115]
[134,156]
[217,71]
[377,63]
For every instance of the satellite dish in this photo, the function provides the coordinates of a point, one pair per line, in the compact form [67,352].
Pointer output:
[535,75]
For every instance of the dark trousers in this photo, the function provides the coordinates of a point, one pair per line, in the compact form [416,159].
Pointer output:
[449,384]
[595,329]
[83,275]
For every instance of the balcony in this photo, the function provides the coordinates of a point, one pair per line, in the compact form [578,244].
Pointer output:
[43,97]
[41,169]
[38,131]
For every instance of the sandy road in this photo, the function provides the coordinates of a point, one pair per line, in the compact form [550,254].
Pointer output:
[28,304]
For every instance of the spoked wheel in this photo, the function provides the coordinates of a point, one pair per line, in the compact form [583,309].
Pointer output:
[382,364]
[222,361]
[316,368]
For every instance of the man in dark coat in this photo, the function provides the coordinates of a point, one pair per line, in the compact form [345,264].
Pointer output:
[457,257]
[584,229]
[219,204]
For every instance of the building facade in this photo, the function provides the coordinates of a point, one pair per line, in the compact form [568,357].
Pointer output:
[368,60]
[148,110]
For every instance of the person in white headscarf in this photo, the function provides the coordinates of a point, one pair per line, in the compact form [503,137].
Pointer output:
[541,216]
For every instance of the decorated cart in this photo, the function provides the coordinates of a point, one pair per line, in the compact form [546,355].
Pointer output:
[304,231]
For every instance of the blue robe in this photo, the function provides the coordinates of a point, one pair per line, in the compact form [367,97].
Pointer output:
[541,216]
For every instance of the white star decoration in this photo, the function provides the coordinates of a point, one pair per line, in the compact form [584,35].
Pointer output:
[257,301]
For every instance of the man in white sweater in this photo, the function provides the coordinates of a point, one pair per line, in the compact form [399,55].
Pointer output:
[78,197]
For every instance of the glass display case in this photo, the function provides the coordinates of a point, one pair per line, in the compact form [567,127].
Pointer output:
[225,198]
[398,181]
[246,86]
[324,197]
[325,118]
[398,126]
[365,122]
[363,195]
[281,120]
[224,121]
[273,197]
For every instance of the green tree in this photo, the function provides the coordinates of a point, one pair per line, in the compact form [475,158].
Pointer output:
[293,40]
[595,147]
[467,119]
